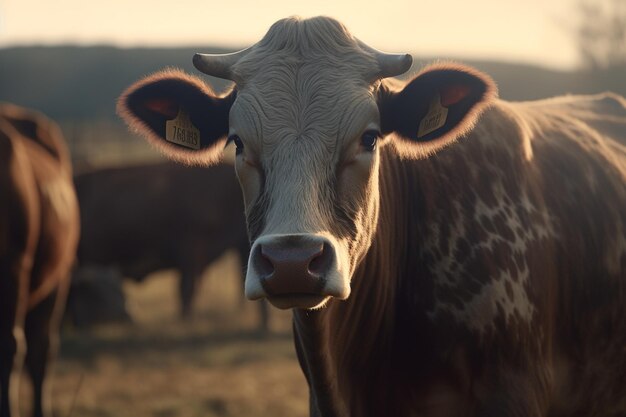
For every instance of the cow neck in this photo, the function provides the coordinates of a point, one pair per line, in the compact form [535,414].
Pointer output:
[344,339]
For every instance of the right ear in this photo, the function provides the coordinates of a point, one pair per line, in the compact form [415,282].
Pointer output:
[178,114]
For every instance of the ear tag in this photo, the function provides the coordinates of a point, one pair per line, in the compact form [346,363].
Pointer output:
[434,119]
[182,132]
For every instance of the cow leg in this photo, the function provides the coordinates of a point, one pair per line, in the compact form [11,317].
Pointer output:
[189,277]
[11,359]
[187,287]
[13,296]
[193,257]
[42,338]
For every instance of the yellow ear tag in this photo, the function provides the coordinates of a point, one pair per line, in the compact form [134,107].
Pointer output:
[182,132]
[434,119]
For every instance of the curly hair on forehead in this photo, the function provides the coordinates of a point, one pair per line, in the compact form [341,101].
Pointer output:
[320,41]
[316,32]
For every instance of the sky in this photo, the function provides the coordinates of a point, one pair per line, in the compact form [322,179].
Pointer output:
[531,31]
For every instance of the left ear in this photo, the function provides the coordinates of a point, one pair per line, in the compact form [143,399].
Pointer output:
[179,114]
[440,104]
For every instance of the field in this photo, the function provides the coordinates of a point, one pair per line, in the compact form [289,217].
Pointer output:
[216,364]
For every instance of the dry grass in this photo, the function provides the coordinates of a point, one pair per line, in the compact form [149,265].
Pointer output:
[217,364]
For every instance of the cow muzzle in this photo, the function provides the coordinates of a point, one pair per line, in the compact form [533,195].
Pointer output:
[295,271]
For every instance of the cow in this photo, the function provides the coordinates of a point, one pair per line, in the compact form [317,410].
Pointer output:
[39,230]
[444,252]
[145,218]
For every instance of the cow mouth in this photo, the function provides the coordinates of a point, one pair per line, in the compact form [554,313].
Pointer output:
[298,300]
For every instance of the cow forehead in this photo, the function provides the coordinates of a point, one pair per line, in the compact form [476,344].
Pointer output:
[305,79]
[275,120]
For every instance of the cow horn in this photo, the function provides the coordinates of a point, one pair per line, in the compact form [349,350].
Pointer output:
[389,65]
[218,65]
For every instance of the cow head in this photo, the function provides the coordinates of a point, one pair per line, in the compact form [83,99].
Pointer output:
[309,114]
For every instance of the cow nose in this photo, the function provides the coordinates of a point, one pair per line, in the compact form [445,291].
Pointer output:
[294,266]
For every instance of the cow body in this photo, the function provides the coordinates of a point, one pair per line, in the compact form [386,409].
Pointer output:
[496,282]
[38,235]
[142,219]
[427,277]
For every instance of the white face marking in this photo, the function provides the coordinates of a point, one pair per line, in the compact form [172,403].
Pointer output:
[300,113]
[298,176]
[300,186]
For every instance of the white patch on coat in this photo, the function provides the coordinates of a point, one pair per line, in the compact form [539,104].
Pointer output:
[480,313]
[484,308]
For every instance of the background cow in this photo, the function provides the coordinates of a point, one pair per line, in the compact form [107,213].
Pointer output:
[142,219]
[482,278]
[38,235]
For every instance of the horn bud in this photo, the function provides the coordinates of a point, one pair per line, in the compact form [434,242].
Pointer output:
[389,65]
[218,65]
[393,64]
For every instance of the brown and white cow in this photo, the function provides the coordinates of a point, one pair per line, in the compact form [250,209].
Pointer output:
[445,253]
[38,236]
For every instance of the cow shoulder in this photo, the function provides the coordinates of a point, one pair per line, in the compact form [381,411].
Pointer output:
[546,194]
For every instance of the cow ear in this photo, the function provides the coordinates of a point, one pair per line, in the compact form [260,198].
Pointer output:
[440,104]
[179,115]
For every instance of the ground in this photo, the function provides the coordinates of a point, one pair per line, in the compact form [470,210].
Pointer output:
[216,364]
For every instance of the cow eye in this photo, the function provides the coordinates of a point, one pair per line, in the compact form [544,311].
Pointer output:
[369,139]
[238,143]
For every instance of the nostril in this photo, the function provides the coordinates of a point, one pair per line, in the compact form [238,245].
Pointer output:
[320,263]
[263,263]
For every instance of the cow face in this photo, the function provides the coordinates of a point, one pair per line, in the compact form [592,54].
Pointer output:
[309,115]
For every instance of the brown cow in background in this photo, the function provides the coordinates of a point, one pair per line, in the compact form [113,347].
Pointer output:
[39,230]
[142,219]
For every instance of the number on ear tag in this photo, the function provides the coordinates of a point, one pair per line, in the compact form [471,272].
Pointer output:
[181,131]
[434,119]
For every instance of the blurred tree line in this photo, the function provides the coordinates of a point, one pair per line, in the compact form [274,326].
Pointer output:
[76,83]
[600,34]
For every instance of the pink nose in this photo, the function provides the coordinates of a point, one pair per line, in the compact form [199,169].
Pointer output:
[293,265]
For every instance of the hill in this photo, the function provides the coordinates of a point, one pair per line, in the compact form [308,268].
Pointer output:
[78,86]
[72,82]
